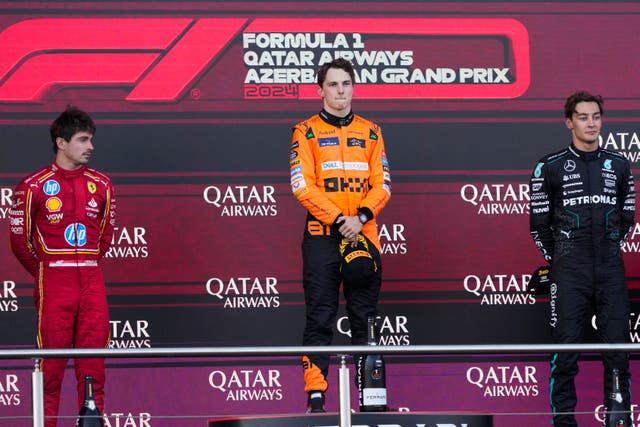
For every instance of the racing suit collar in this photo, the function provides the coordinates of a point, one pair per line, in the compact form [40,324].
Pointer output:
[585,155]
[68,173]
[335,120]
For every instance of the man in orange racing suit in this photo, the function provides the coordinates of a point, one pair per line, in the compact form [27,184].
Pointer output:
[62,221]
[340,174]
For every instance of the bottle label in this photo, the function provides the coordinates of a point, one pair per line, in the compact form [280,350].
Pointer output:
[374,396]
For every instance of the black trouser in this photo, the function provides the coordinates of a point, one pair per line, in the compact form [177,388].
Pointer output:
[321,282]
[582,288]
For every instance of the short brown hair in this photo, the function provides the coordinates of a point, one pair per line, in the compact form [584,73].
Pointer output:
[582,96]
[340,63]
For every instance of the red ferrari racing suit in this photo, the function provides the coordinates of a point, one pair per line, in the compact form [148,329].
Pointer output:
[338,167]
[61,225]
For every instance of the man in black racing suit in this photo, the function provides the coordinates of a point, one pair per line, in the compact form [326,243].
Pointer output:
[582,207]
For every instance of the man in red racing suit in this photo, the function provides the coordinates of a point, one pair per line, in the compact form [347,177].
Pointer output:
[62,221]
[340,174]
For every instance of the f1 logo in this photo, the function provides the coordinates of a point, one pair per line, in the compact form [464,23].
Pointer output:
[159,57]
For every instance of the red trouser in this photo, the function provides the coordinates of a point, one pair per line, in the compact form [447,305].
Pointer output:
[72,312]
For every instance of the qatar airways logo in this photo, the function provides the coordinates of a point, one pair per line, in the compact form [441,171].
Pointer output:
[394,330]
[634,326]
[245,292]
[247,384]
[599,414]
[5,202]
[8,297]
[129,242]
[130,334]
[392,239]
[632,244]
[497,199]
[121,419]
[626,143]
[9,390]
[500,289]
[242,200]
[504,380]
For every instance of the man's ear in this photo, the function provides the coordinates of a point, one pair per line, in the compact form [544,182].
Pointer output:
[569,124]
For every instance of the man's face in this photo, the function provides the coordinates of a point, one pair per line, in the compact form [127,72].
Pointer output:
[585,123]
[75,152]
[336,92]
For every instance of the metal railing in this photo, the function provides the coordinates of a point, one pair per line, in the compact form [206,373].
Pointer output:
[345,410]
[300,350]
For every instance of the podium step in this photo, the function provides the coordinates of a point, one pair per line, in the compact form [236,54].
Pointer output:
[359,419]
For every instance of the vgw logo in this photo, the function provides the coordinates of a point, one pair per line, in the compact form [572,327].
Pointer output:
[500,289]
[128,242]
[393,330]
[504,381]
[9,390]
[8,297]
[497,199]
[5,202]
[245,292]
[130,334]
[248,384]
[392,239]
[242,200]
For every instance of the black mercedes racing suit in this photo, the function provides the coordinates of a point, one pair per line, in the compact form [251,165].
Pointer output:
[582,207]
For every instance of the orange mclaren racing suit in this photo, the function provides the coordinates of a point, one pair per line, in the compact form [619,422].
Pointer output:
[338,168]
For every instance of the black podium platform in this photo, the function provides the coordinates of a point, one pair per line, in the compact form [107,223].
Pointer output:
[370,419]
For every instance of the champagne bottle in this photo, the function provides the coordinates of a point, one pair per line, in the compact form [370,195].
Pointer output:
[89,415]
[373,388]
[617,414]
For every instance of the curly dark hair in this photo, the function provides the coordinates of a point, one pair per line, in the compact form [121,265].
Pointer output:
[69,122]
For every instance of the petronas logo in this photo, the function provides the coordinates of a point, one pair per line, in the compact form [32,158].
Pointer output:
[373,135]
